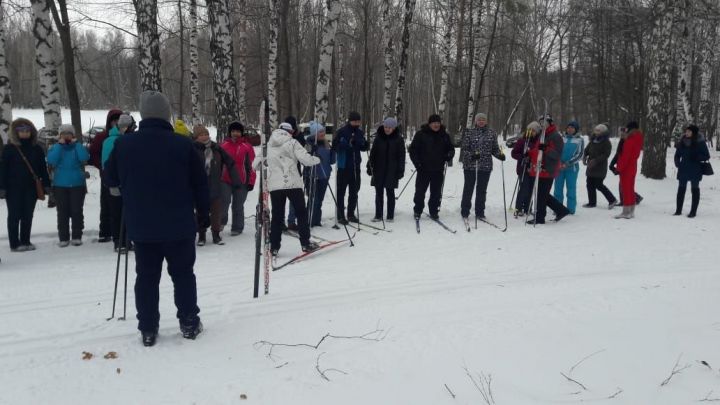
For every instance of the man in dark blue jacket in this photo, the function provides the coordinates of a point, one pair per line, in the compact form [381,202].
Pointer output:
[349,141]
[162,181]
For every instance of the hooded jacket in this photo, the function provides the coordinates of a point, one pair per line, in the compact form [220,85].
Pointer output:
[596,156]
[479,140]
[243,154]
[688,158]
[14,173]
[283,155]
[109,144]
[96,146]
[573,148]
[387,159]
[430,151]
[68,162]
[326,155]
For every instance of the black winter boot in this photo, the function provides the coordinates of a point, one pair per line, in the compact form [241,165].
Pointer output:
[679,201]
[695,202]
[149,337]
[217,239]
[201,238]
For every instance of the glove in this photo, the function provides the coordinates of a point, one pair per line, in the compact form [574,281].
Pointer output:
[476,156]
[2,194]
[502,157]
[250,187]
[542,147]
[204,221]
[614,170]
[115,192]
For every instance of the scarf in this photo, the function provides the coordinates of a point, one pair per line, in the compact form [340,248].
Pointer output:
[208,156]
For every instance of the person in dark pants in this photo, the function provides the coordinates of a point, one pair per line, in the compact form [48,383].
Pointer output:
[318,177]
[124,124]
[284,183]
[300,137]
[386,166]
[430,150]
[525,182]
[479,145]
[349,141]
[67,157]
[690,153]
[549,167]
[234,195]
[163,183]
[96,146]
[596,158]
[23,161]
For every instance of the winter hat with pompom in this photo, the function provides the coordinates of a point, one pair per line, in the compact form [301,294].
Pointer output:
[66,129]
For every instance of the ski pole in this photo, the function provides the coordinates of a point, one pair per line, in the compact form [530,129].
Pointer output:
[337,207]
[117,275]
[442,186]
[406,184]
[126,242]
[502,171]
[475,187]
[356,186]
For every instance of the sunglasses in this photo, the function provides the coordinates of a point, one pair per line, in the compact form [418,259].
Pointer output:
[24,128]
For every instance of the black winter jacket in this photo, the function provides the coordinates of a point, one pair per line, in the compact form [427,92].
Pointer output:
[387,159]
[430,151]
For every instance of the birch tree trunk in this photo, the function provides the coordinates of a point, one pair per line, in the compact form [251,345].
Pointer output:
[708,59]
[272,64]
[221,50]
[658,121]
[242,66]
[181,104]
[49,89]
[326,52]
[62,23]
[409,9]
[148,43]
[447,59]
[476,22]
[389,53]
[5,88]
[684,114]
[194,65]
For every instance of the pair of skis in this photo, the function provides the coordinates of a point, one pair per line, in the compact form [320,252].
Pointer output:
[303,255]
[437,221]
[466,221]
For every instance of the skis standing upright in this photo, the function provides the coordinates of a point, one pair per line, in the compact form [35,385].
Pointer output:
[538,164]
[262,217]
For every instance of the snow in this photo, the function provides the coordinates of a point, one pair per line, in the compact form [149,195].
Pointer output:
[522,306]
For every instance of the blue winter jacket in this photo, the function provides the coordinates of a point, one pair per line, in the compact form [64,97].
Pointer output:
[572,151]
[109,144]
[67,160]
[688,158]
[348,143]
[327,159]
[162,180]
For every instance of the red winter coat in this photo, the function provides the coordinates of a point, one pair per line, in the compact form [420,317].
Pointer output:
[243,154]
[627,161]
[551,156]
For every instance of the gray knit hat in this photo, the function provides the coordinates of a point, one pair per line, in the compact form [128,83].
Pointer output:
[390,122]
[154,104]
[535,126]
[125,121]
[66,129]
[601,129]
[480,115]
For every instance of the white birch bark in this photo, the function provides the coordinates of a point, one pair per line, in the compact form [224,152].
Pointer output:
[194,65]
[272,64]
[658,123]
[326,53]
[447,58]
[708,59]
[242,66]
[5,87]
[389,54]
[407,20]
[684,114]
[476,23]
[341,85]
[148,43]
[49,89]
[221,51]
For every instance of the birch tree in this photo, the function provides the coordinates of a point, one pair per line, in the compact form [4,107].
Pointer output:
[407,20]
[148,44]
[684,113]
[5,87]
[476,23]
[326,52]
[447,58]
[273,65]
[194,65]
[708,60]
[221,51]
[658,104]
[45,59]
[242,66]
[62,23]
[388,51]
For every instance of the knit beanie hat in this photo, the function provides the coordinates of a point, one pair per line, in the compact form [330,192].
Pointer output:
[390,122]
[236,126]
[66,129]
[292,121]
[694,129]
[480,115]
[632,125]
[154,104]
[354,116]
[434,118]
[601,129]
[180,128]
[535,126]
[316,128]
[286,127]
[200,130]
[575,125]
[125,121]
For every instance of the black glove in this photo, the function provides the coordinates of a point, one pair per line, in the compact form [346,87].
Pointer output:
[542,147]
[2,194]
[476,156]
[250,187]
[204,221]
[614,170]
[502,157]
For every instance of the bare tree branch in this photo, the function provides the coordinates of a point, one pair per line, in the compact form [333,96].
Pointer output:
[675,370]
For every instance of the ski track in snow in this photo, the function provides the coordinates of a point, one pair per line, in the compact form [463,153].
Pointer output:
[524,306]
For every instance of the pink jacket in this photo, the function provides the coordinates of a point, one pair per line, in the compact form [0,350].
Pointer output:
[243,154]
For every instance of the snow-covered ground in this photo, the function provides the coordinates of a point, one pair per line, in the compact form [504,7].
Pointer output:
[631,298]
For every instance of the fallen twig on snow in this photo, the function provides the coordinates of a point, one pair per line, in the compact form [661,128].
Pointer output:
[322,372]
[583,360]
[705,363]
[450,391]
[619,391]
[575,381]
[708,399]
[675,370]
[484,386]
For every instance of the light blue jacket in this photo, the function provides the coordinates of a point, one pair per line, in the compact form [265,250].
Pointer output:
[67,160]
[109,144]
[572,151]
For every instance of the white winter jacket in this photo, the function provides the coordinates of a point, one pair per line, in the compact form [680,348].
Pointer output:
[283,154]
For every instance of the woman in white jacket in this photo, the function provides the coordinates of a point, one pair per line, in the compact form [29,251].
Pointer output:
[284,183]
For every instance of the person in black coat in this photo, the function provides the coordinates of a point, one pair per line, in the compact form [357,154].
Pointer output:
[430,150]
[22,162]
[595,158]
[690,152]
[347,144]
[163,183]
[386,166]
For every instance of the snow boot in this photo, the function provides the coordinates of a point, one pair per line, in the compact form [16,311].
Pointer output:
[217,239]
[561,215]
[149,337]
[191,330]
[626,213]
[30,247]
[292,227]
[104,239]
[695,202]
[376,219]
[613,204]
[436,216]
[679,199]
[201,238]
[64,243]
[353,218]
[310,247]
[76,242]
[343,221]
